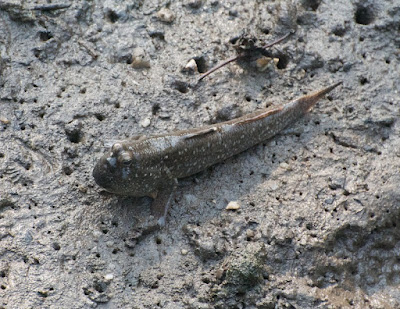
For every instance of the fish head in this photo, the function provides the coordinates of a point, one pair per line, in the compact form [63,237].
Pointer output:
[122,170]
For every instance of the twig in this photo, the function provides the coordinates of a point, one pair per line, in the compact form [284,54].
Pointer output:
[52,7]
[244,54]
[218,67]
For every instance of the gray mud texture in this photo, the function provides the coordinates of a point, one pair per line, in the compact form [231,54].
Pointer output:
[319,218]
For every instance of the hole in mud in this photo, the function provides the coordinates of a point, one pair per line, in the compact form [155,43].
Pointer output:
[45,35]
[111,16]
[265,30]
[155,108]
[311,4]
[339,31]
[283,62]
[56,246]
[67,170]
[364,15]
[363,80]
[157,34]
[129,60]
[158,241]
[1,155]
[36,53]
[99,117]
[180,86]
[201,64]
[74,136]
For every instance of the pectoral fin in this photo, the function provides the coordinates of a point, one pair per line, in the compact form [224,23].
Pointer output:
[161,202]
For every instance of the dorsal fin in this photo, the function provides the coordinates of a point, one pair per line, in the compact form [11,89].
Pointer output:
[201,133]
[259,116]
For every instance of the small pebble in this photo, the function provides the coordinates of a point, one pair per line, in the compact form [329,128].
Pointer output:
[140,59]
[184,252]
[110,243]
[145,122]
[273,185]
[264,63]
[166,15]
[191,66]
[164,116]
[109,277]
[4,120]
[284,165]
[233,205]
[250,234]
[97,234]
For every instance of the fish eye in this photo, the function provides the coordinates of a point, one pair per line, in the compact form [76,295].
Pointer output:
[127,162]
[125,158]
[117,148]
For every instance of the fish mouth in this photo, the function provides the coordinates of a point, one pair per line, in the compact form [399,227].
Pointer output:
[102,176]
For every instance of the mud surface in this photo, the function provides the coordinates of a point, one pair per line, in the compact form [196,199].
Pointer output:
[318,224]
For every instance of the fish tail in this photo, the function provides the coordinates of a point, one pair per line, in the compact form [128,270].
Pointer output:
[308,101]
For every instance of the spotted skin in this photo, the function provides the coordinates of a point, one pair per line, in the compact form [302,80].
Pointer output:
[144,166]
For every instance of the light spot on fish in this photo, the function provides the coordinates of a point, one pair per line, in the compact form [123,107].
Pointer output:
[125,172]
[112,161]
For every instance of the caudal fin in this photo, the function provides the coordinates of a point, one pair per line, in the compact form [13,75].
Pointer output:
[308,101]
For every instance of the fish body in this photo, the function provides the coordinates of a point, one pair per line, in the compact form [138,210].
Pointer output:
[143,166]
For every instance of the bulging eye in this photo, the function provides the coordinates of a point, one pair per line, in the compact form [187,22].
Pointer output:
[125,158]
[127,162]
[117,148]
